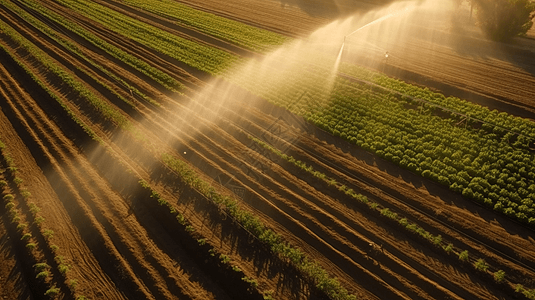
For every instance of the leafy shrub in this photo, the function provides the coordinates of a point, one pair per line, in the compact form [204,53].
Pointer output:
[504,19]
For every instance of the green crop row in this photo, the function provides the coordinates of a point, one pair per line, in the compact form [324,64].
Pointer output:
[201,57]
[247,36]
[42,269]
[330,286]
[136,63]
[73,48]
[494,168]
[104,108]
[435,240]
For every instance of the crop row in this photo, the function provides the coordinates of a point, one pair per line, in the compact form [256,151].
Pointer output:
[201,57]
[162,78]
[241,34]
[386,212]
[496,169]
[42,269]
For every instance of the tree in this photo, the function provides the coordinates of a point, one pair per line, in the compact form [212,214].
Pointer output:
[505,19]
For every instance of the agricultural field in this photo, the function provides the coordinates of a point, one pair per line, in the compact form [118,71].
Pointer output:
[262,149]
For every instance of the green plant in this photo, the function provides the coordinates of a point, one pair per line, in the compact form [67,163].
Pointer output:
[236,269]
[26,236]
[52,292]
[180,218]
[10,205]
[268,295]
[48,234]
[17,181]
[21,226]
[190,228]
[82,298]
[251,281]
[481,265]
[8,197]
[499,276]
[3,183]
[33,208]
[43,275]
[463,255]
[25,194]
[224,258]
[63,268]
[54,248]
[38,220]
[73,283]
[437,240]
[448,248]
[41,266]
[31,246]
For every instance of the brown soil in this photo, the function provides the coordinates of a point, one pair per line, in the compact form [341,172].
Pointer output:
[122,245]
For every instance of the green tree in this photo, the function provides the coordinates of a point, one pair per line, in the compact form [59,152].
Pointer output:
[504,19]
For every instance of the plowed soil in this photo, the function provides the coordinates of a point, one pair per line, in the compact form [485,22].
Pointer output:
[122,245]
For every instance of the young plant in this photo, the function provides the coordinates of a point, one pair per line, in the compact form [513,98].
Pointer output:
[225,259]
[31,246]
[52,292]
[43,274]
[48,234]
[26,236]
[463,255]
[499,276]
[481,265]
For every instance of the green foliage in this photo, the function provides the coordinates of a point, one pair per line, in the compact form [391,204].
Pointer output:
[201,242]
[235,32]
[48,234]
[42,275]
[17,181]
[3,183]
[73,283]
[236,269]
[225,259]
[39,220]
[251,281]
[52,292]
[8,197]
[463,255]
[481,265]
[31,246]
[504,19]
[21,226]
[448,248]
[499,276]
[41,266]
[25,194]
[33,208]
[26,236]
